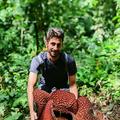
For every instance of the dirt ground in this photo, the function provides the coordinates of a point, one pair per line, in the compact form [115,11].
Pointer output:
[108,107]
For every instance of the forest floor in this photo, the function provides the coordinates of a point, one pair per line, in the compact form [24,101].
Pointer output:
[110,108]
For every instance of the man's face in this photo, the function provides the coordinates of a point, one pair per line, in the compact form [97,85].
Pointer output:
[54,46]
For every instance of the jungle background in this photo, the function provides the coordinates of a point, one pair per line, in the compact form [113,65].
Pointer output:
[92,37]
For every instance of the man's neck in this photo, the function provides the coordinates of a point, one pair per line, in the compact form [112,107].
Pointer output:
[53,59]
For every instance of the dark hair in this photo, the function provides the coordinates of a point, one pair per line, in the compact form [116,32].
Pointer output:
[55,32]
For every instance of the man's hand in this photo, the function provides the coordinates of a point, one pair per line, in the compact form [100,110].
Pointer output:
[33,116]
[73,86]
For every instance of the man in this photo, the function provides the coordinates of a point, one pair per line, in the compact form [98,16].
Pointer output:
[57,69]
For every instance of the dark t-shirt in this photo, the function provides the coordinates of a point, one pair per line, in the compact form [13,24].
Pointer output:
[53,74]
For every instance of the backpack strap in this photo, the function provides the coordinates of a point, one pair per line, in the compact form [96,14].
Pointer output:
[40,59]
[41,62]
[66,61]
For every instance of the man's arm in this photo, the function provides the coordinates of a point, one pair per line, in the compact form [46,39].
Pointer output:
[31,82]
[73,86]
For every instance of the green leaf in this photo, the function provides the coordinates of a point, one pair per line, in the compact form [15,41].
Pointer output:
[21,101]
[13,116]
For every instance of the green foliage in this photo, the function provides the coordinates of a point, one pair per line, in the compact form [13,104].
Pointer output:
[14,116]
[13,87]
[91,35]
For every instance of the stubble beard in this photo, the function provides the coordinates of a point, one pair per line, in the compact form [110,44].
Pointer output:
[54,55]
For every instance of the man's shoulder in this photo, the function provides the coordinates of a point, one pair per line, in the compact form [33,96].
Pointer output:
[42,55]
[40,58]
[68,57]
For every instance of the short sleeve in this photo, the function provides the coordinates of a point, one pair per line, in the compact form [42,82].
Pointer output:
[34,65]
[72,69]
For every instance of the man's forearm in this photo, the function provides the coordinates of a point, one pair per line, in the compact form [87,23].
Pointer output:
[30,98]
[74,90]
[31,82]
